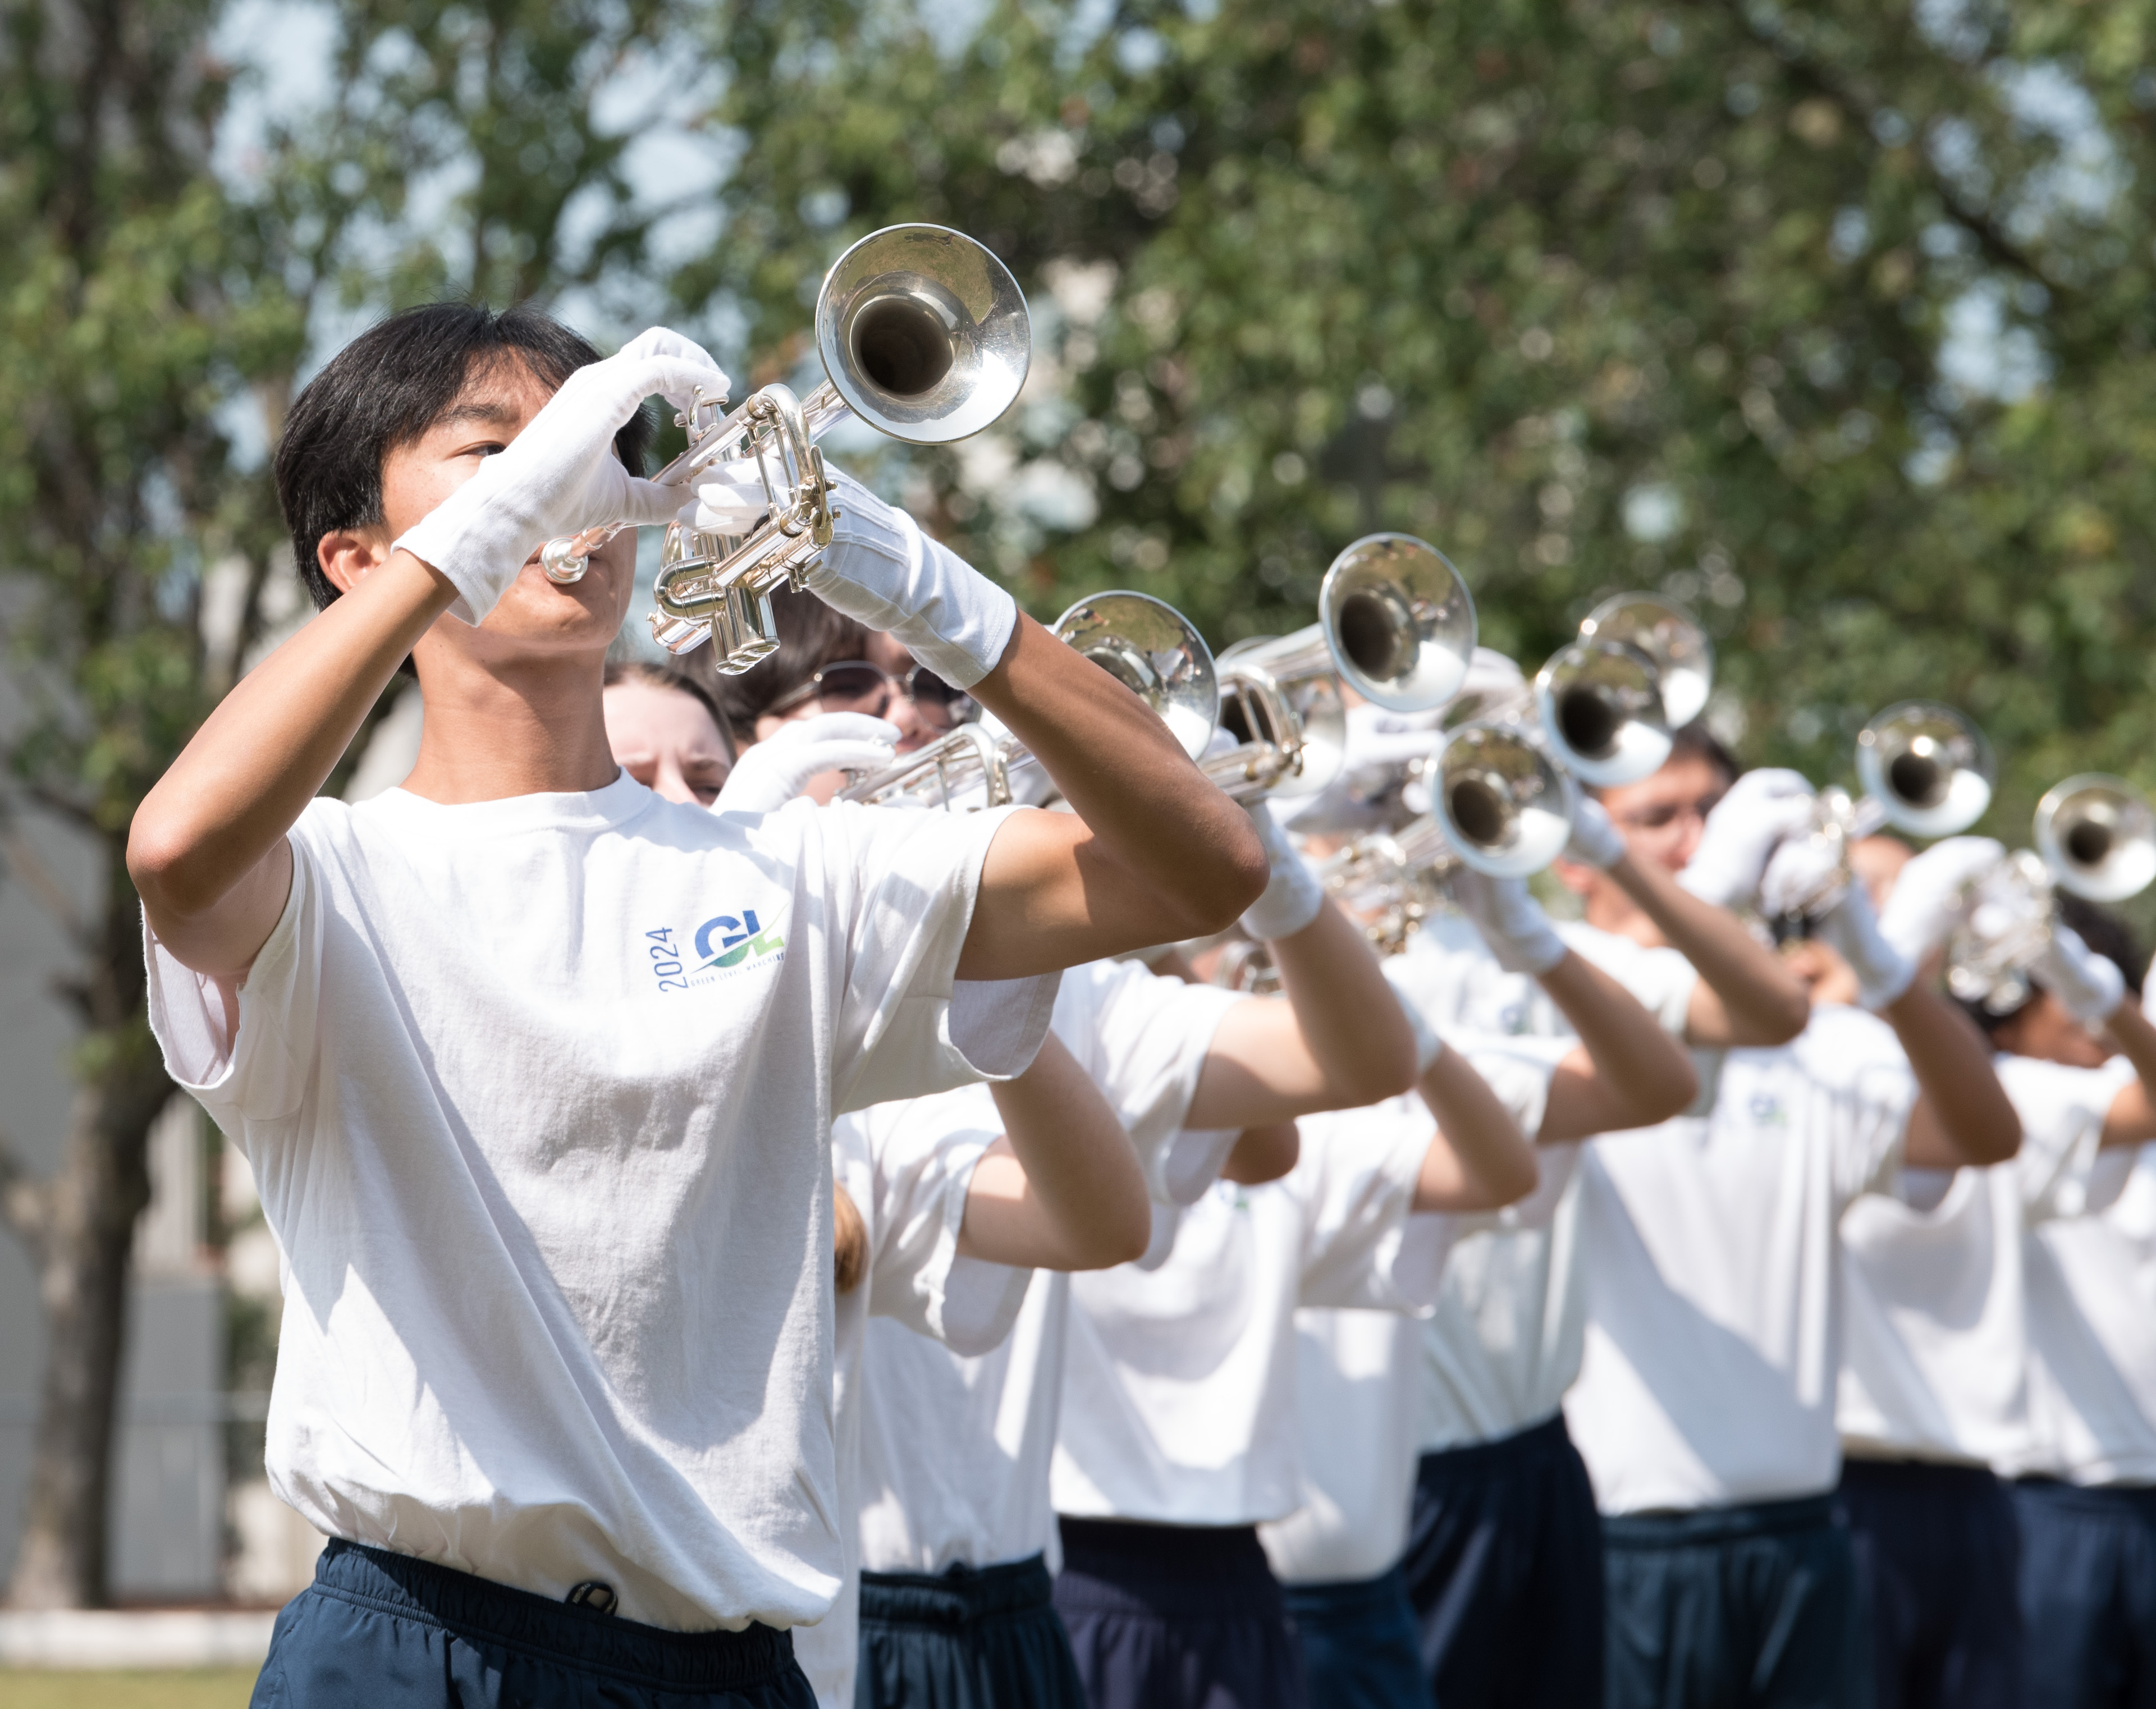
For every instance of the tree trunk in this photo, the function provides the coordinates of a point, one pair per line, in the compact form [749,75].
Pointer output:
[88,1211]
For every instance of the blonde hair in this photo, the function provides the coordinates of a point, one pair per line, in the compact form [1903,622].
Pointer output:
[850,1241]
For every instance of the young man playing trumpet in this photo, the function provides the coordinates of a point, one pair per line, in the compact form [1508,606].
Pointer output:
[536,1069]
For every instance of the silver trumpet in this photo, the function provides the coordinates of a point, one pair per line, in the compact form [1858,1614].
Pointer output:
[2096,838]
[1148,646]
[923,335]
[1390,882]
[1926,770]
[1641,668]
[1395,623]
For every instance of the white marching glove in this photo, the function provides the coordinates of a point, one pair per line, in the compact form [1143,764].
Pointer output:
[1595,841]
[1806,876]
[1511,920]
[882,571]
[730,498]
[2088,986]
[559,476]
[1292,896]
[771,774]
[1929,895]
[1882,971]
[1428,1047]
[1762,810]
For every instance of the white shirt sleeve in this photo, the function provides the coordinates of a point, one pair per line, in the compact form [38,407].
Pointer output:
[1144,1038]
[2061,1168]
[923,1154]
[904,1024]
[1661,978]
[1363,1245]
[259,1075]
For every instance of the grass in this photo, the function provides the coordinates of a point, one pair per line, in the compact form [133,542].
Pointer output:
[214,1688]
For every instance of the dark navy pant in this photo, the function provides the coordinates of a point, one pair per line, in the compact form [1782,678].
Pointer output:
[377,1630]
[2089,1594]
[1359,1643]
[1754,1605]
[1938,1573]
[966,1638]
[1504,1569]
[1176,1616]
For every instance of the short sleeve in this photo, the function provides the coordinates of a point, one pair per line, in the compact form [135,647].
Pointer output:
[1144,1038]
[1855,1067]
[1364,1245]
[906,1024]
[2061,1169]
[923,1155]
[258,1075]
[1661,978]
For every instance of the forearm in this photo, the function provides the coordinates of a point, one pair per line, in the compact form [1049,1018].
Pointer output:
[1152,813]
[1765,1003]
[264,753]
[1961,1093]
[1082,1204]
[1479,1160]
[2132,1117]
[1643,1068]
[1358,1041]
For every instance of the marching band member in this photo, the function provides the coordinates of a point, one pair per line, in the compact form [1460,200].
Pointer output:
[1704,1407]
[1362,1383]
[664,729]
[536,1070]
[1504,1560]
[1935,1378]
[958,1529]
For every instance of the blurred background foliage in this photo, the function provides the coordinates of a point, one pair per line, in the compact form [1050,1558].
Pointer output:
[1834,321]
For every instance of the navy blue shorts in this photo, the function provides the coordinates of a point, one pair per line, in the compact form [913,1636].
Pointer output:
[1504,1568]
[967,1638]
[377,1630]
[1176,1616]
[2089,1594]
[1753,1604]
[1359,1647]
[1938,1570]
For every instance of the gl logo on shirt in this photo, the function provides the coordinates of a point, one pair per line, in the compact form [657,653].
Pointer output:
[1767,1110]
[723,942]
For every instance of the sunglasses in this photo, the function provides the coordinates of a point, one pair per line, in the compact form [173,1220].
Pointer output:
[855,686]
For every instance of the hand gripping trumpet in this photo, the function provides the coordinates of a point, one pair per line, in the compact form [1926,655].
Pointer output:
[1391,881]
[1600,711]
[1148,646]
[1395,623]
[1926,770]
[2096,838]
[923,335]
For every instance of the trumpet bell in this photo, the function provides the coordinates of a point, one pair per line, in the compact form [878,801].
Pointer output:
[1400,621]
[1280,700]
[924,333]
[1927,765]
[1504,807]
[1673,643]
[2098,836]
[1151,648]
[1601,704]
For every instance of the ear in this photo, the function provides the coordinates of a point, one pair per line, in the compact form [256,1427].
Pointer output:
[346,554]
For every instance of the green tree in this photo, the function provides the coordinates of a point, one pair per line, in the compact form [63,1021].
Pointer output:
[1592,297]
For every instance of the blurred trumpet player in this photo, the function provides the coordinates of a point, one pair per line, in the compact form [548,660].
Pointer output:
[1998,1321]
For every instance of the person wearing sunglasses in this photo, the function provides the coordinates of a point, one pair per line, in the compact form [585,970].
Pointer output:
[916,701]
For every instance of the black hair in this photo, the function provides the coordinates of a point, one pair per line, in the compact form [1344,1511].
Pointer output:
[2101,930]
[1695,742]
[811,635]
[388,387]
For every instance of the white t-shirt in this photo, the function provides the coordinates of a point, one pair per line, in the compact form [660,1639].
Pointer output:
[536,1093]
[1714,1295]
[1179,1399]
[908,1167]
[1934,1352]
[1505,1342]
[956,1450]
[1359,1384]
[2092,1282]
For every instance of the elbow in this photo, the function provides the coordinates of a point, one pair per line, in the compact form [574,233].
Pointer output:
[1787,1015]
[1673,1093]
[1224,880]
[1119,1234]
[1517,1181]
[160,867]
[1993,1139]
